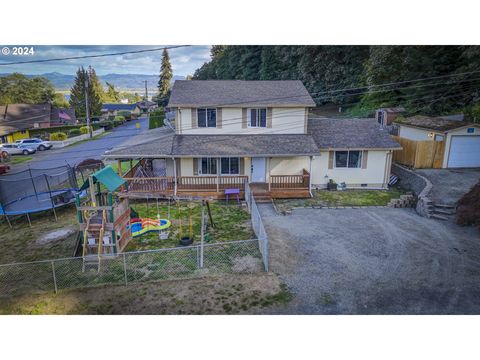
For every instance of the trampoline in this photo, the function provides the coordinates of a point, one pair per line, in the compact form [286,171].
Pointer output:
[36,190]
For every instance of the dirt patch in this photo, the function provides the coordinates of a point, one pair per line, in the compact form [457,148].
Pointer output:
[468,208]
[222,294]
[56,235]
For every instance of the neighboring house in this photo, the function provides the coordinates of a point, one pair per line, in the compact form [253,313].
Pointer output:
[17,119]
[147,106]
[113,109]
[228,133]
[385,116]
[461,139]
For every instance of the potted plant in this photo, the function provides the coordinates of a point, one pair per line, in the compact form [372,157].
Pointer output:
[331,185]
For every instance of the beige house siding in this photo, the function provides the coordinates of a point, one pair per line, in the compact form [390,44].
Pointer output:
[374,175]
[283,121]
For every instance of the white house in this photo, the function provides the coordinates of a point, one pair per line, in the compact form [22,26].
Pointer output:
[462,140]
[228,133]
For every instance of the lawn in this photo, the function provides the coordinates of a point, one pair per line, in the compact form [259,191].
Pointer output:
[231,223]
[21,243]
[325,198]
[20,159]
[220,294]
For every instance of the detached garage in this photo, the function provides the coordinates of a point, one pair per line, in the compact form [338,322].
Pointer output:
[459,140]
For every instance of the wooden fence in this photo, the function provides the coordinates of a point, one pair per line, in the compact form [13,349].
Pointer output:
[420,154]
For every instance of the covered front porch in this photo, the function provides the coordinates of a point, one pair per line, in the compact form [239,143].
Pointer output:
[173,177]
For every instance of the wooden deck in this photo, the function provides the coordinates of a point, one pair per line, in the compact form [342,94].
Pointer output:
[280,186]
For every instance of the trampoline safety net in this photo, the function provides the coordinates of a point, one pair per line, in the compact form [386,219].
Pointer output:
[35,190]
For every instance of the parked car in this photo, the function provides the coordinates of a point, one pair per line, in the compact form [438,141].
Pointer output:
[17,149]
[38,144]
[4,168]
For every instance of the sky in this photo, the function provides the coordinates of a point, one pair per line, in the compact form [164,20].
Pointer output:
[184,60]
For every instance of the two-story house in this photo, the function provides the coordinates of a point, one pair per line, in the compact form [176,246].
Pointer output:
[228,133]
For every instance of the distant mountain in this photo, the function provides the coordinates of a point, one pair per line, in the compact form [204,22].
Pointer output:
[123,82]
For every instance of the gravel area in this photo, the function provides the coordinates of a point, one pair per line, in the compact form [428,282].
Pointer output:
[449,185]
[374,261]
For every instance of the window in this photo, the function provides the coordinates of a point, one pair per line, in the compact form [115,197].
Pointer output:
[208,166]
[207,117]
[257,117]
[230,166]
[438,137]
[348,159]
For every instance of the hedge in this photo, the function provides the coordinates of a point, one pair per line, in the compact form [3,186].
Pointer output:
[58,136]
[156,119]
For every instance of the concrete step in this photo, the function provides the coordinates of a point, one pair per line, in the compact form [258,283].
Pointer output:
[439,217]
[444,211]
[444,206]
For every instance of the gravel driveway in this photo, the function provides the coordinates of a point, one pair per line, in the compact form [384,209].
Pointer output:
[374,261]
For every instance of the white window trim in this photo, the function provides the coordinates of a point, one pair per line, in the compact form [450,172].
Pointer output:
[348,156]
[220,163]
[206,118]
[249,118]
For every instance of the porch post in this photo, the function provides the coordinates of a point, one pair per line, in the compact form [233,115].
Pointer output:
[175,176]
[218,174]
[269,177]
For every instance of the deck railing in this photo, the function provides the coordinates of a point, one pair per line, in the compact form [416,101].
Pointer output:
[290,181]
[151,184]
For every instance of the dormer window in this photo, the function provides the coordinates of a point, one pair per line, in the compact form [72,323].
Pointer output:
[207,117]
[257,117]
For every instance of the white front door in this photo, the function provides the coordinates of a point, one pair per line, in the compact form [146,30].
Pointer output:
[259,166]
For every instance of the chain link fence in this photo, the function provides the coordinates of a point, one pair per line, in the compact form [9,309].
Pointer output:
[257,225]
[129,267]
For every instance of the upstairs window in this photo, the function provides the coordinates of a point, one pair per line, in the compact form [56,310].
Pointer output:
[207,117]
[257,117]
[348,159]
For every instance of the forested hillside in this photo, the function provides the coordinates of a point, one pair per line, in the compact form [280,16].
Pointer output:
[451,74]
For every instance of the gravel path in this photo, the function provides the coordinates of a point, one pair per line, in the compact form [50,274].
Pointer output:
[374,261]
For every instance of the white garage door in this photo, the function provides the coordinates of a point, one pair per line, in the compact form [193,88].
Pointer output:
[464,151]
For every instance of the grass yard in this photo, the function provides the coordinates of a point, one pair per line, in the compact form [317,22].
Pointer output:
[325,198]
[20,159]
[231,223]
[220,294]
[22,243]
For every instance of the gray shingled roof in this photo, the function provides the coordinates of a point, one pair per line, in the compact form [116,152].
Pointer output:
[244,145]
[168,144]
[431,123]
[350,134]
[239,93]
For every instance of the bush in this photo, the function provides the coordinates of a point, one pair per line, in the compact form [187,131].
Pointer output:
[126,114]
[58,136]
[84,130]
[119,118]
[74,132]
[156,119]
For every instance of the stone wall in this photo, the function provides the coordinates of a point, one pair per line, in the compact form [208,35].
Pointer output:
[419,184]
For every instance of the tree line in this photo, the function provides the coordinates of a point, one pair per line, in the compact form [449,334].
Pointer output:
[352,76]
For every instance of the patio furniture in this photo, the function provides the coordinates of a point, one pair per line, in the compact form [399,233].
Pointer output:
[235,192]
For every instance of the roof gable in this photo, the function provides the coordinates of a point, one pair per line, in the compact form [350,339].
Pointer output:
[239,93]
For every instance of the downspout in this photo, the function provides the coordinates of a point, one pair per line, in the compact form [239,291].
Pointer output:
[310,177]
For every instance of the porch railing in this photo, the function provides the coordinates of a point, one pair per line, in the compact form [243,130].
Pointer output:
[151,184]
[290,181]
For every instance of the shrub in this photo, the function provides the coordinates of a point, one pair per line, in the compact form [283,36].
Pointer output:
[119,118]
[84,130]
[58,136]
[74,132]
[126,114]
[156,119]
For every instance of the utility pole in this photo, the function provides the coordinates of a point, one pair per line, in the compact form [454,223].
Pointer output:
[146,92]
[86,106]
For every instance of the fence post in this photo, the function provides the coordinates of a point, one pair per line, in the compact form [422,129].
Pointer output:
[125,268]
[54,277]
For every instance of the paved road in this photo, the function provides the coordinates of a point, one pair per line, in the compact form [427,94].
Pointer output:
[85,150]
[374,261]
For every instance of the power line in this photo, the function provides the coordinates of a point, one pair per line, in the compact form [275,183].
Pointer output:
[94,56]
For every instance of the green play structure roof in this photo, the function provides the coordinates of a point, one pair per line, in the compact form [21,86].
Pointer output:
[107,177]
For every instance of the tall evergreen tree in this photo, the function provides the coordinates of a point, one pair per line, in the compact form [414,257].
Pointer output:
[111,94]
[82,82]
[166,76]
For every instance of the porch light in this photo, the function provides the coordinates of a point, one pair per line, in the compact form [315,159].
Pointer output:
[430,134]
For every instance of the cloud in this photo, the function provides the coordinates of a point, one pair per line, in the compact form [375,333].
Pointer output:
[184,60]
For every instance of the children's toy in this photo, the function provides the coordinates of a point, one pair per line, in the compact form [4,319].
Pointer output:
[140,227]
